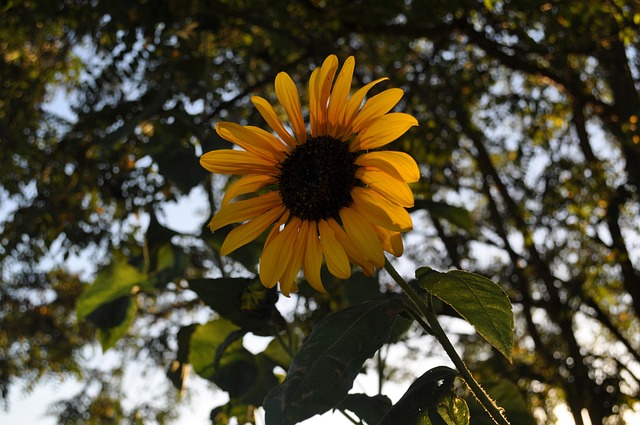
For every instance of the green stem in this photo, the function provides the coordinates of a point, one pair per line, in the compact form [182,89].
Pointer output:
[426,309]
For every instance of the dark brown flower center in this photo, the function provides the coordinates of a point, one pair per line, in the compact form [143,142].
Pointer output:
[316,178]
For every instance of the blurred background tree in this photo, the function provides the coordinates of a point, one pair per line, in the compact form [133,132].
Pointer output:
[528,142]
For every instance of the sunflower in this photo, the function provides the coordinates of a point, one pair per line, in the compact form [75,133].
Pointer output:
[325,191]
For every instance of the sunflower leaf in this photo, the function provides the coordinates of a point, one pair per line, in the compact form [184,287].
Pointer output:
[421,398]
[245,302]
[479,300]
[323,370]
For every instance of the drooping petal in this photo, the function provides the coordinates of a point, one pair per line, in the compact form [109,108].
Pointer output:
[228,161]
[376,107]
[249,140]
[334,254]
[386,185]
[289,98]
[250,230]
[391,162]
[391,241]
[244,185]
[287,280]
[385,129]
[355,254]
[244,210]
[339,95]
[312,261]
[353,106]
[271,117]
[363,234]
[277,254]
[378,210]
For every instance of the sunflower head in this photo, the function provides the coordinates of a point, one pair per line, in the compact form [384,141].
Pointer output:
[326,192]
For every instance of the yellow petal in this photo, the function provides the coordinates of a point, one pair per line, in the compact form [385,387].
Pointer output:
[247,184]
[287,280]
[385,129]
[353,106]
[378,210]
[247,232]
[276,254]
[363,234]
[325,80]
[391,241]
[376,107]
[354,253]
[249,140]
[334,254]
[269,139]
[391,162]
[312,261]
[228,161]
[287,94]
[339,95]
[313,101]
[271,117]
[386,185]
[245,210]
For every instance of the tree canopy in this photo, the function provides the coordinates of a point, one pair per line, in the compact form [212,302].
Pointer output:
[528,144]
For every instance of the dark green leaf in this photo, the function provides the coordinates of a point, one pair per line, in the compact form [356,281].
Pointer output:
[370,409]
[111,314]
[423,395]
[169,263]
[109,336]
[245,302]
[454,215]
[479,300]
[323,370]
[115,281]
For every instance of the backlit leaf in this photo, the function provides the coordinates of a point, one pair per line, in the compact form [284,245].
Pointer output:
[479,300]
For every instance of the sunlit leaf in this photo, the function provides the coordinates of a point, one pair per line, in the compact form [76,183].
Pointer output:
[479,300]
[115,281]
[453,410]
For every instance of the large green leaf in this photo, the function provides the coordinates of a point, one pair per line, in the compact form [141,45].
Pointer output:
[115,281]
[323,370]
[479,300]
[245,302]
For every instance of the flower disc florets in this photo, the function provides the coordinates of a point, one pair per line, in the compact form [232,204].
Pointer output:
[317,177]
